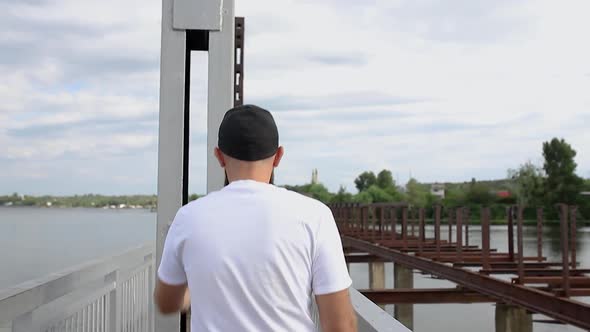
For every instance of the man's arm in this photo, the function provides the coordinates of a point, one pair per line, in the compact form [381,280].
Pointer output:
[336,312]
[331,279]
[171,298]
[171,293]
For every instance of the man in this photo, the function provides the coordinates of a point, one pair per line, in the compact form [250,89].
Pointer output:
[252,254]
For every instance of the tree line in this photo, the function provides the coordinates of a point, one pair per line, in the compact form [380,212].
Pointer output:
[529,185]
[87,201]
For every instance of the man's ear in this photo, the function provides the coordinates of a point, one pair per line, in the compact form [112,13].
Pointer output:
[278,156]
[220,157]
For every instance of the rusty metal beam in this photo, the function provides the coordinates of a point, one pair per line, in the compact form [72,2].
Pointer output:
[502,265]
[557,281]
[563,309]
[364,259]
[535,271]
[424,296]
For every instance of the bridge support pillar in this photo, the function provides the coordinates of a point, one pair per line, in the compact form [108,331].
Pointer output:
[404,278]
[377,277]
[513,319]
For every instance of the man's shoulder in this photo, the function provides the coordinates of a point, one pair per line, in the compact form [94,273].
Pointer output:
[201,203]
[304,202]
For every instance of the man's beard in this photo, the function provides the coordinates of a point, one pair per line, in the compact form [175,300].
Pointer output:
[272,178]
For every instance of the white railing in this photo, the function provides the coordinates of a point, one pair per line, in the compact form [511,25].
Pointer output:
[370,317]
[110,295]
[115,295]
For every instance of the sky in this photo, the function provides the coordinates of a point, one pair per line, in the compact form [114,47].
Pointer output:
[436,90]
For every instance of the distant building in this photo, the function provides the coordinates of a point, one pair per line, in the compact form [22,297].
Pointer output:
[438,190]
[503,194]
[585,193]
[315,179]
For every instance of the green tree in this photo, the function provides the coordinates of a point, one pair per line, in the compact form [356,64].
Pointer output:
[374,194]
[562,184]
[454,196]
[363,197]
[342,196]
[417,194]
[385,179]
[314,190]
[319,192]
[365,180]
[379,195]
[479,194]
[528,182]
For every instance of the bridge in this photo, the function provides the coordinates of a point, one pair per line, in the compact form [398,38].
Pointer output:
[378,233]
[115,293]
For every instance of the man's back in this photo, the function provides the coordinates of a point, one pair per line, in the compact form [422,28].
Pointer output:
[252,255]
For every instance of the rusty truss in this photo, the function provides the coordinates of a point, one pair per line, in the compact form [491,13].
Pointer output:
[394,233]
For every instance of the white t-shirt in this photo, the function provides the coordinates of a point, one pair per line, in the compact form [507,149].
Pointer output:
[253,254]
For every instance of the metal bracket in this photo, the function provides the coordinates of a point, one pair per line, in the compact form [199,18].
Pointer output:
[197,15]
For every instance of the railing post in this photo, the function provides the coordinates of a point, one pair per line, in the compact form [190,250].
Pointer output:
[573,239]
[114,305]
[437,214]
[520,245]
[539,234]
[405,227]
[151,286]
[382,222]
[485,238]
[459,225]
[466,217]
[563,216]
[393,212]
[510,212]
[421,230]
[365,215]
[450,215]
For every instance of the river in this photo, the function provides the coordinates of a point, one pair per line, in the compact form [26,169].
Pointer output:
[35,242]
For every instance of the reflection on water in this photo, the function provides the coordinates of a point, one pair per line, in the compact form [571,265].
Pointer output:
[552,234]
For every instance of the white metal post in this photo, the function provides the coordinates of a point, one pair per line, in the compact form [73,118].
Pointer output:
[178,16]
[220,89]
[170,149]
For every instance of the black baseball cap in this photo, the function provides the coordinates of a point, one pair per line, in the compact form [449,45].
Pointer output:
[248,133]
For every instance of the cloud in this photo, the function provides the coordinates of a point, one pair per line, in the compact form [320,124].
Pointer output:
[446,91]
[344,100]
[462,21]
[349,60]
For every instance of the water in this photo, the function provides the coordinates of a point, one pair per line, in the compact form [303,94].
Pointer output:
[35,242]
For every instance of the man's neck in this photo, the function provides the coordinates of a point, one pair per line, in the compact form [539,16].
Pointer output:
[264,178]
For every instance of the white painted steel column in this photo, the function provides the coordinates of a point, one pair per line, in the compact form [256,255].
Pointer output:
[178,16]
[220,90]
[170,149]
